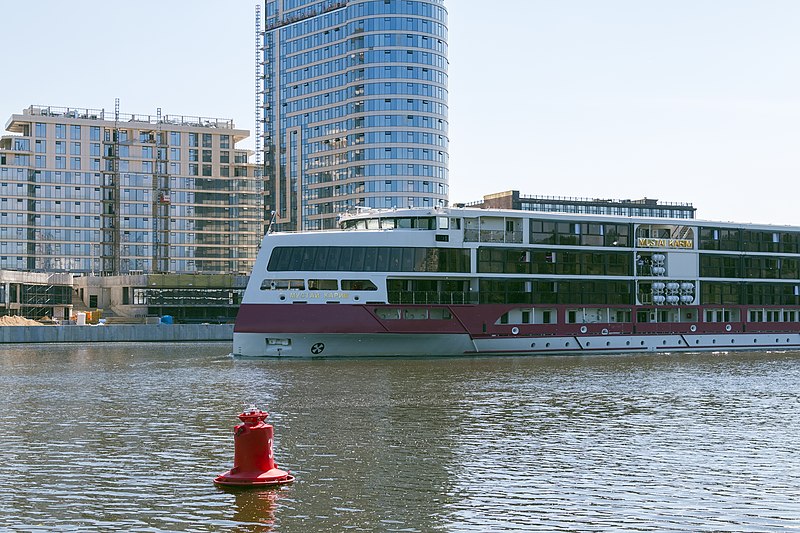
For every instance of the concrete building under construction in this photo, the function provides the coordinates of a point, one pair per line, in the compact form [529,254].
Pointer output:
[125,197]
[88,191]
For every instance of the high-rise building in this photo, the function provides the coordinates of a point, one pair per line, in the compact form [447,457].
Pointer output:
[351,107]
[87,191]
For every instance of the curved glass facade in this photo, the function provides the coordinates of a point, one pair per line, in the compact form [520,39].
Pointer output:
[354,97]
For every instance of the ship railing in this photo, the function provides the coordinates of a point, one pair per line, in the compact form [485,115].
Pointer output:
[433,297]
[488,235]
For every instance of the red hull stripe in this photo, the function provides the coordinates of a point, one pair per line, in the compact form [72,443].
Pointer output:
[306,318]
[478,321]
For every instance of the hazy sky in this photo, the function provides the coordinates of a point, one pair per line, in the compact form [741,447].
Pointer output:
[682,100]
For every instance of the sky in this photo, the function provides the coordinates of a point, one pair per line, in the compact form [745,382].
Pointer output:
[692,101]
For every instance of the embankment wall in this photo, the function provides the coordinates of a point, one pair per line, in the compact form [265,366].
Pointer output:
[117,333]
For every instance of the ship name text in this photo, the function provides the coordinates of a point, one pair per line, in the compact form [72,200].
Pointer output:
[316,295]
[665,243]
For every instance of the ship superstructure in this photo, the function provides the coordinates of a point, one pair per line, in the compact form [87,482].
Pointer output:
[456,281]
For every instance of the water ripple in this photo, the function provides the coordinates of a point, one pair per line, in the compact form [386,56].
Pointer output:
[129,438]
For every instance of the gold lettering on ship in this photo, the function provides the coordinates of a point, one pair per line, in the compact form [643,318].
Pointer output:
[313,295]
[665,243]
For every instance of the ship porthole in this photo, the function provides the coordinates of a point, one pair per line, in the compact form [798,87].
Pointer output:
[584,329]
[693,328]
[605,331]
[515,330]
[727,327]
[283,297]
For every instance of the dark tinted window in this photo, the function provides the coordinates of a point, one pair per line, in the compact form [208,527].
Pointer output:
[368,259]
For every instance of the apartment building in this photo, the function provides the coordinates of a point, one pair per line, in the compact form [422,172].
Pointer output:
[351,107]
[91,191]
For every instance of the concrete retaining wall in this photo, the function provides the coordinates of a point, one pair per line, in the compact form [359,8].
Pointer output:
[118,333]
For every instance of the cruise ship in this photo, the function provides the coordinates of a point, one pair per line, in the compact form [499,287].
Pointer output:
[470,281]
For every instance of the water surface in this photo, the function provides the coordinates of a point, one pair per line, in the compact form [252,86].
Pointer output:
[129,437]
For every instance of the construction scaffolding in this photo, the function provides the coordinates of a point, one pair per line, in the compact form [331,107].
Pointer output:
[110,249]
[161,200]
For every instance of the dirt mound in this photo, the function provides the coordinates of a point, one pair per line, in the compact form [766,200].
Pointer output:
[17,321]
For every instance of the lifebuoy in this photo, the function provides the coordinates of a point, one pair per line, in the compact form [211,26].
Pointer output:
[692,328]
[584,329]
[727,327]
[515,330]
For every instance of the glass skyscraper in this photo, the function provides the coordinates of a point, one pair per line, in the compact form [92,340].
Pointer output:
[351,107]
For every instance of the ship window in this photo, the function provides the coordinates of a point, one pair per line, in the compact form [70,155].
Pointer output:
[415,314]
[624,315]
[368,259]
[387,313]
[395,256]
[358,285]
[439,313]
[283,284]
[323,284]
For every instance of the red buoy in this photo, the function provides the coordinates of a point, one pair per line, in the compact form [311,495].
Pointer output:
[253,463]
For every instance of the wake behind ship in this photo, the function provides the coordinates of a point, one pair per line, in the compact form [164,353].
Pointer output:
[467,281]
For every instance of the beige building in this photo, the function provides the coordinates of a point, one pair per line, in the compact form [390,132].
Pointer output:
[90,191]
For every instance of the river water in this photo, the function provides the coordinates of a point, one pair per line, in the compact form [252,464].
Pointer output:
[129,437]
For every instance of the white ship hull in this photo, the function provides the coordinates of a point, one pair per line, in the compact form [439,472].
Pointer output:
[449,345]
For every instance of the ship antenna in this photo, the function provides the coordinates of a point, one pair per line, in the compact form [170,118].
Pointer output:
[273,215]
